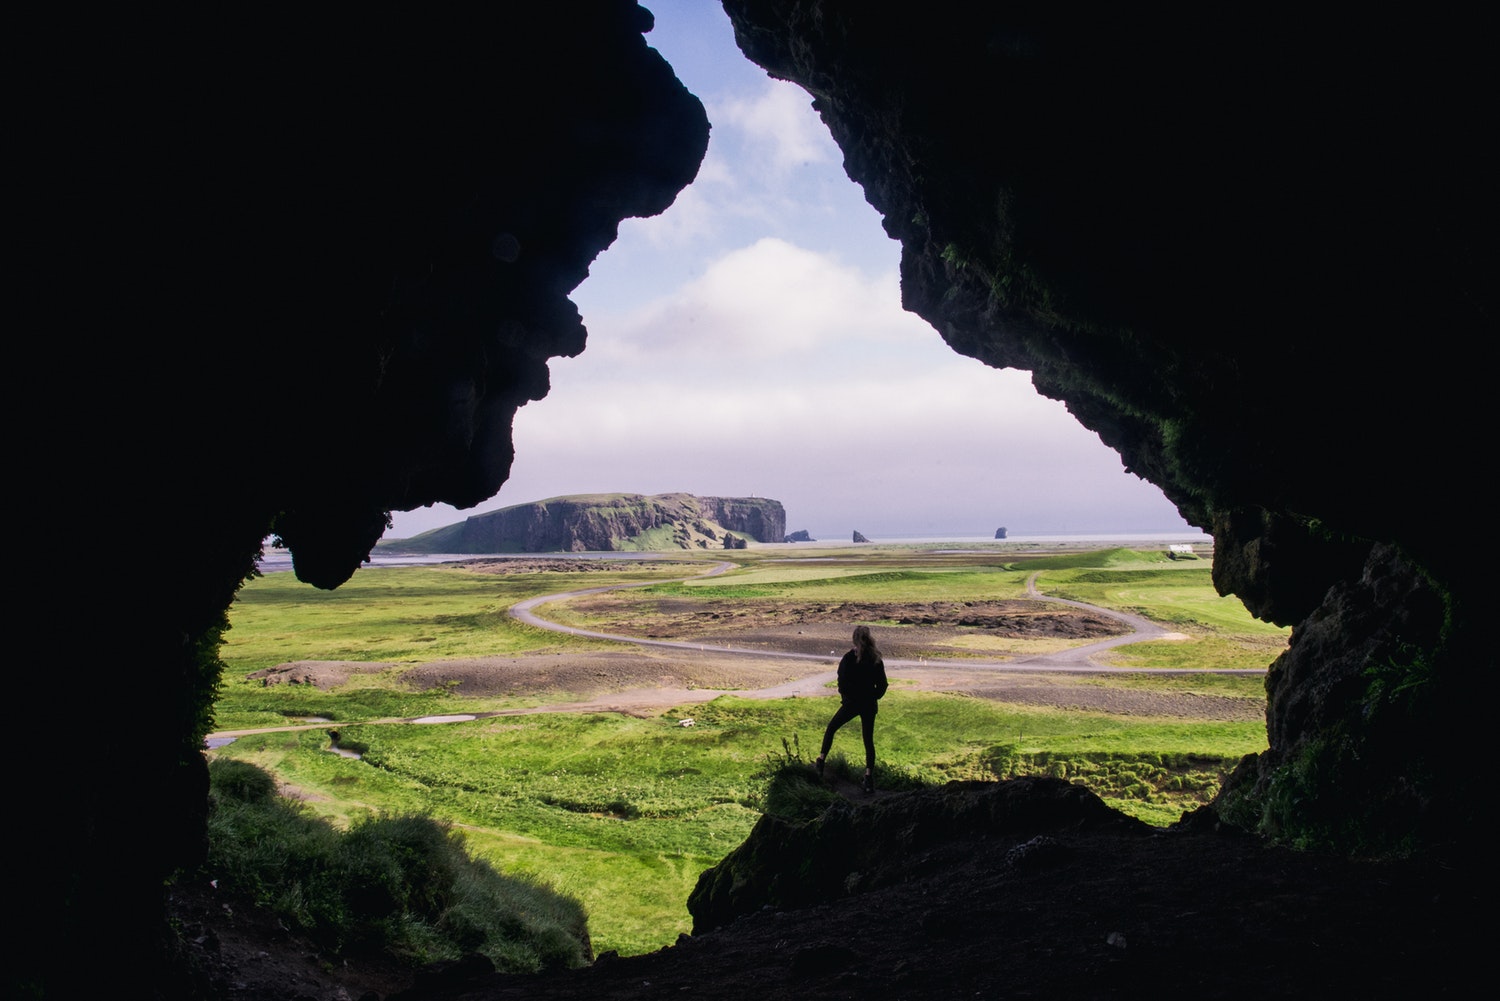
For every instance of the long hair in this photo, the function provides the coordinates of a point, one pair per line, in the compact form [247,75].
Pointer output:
[864,644]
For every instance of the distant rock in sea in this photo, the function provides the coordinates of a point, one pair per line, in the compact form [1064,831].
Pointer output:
[859,538]
[799,536]
[1000,533]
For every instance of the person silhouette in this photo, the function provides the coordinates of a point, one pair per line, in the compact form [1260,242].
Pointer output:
[862,684]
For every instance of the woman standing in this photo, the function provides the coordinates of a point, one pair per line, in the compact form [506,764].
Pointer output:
[862,683]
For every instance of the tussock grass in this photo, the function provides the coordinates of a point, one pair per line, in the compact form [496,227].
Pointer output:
[1151,786]
[1202,649]
[793,789]
[1251,687]
[396,615]
[400,615]
[402,885]
[1173,595]
[1220,632]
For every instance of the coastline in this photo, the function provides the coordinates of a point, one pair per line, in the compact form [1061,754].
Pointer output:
[276,560]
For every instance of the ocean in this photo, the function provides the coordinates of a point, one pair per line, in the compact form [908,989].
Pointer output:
[279,559]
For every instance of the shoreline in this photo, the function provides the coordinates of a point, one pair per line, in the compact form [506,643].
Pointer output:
[388,555]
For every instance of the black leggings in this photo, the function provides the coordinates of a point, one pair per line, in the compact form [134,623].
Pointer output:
[866,729]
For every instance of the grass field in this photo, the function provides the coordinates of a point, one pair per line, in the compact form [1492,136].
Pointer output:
[1180,595]
[623,813]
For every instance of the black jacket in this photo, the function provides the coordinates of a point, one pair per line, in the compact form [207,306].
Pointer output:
[861,683]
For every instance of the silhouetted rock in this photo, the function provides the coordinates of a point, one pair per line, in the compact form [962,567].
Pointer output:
[1208,312]
[999,533]
[352,238]
[787,863]
[800,536]
[858,537]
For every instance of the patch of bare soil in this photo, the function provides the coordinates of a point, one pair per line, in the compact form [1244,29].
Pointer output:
[929,625]
[323,674]
[593,673]
[1059,691]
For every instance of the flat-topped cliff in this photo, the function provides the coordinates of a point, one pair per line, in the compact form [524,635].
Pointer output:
[607,523]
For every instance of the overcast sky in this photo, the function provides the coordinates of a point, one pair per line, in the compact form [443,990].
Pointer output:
[750,341]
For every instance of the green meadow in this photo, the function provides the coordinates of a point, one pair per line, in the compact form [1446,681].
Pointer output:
[1181,595]
[623,813]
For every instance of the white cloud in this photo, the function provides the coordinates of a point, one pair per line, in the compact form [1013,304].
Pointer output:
[780,124]
[727,357]
[753,172]
[769,305]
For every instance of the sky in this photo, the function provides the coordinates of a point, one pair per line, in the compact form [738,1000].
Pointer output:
[749,341]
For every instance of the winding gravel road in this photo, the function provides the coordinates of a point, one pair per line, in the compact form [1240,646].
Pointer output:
[1075,660]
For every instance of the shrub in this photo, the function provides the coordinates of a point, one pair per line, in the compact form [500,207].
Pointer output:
[240,781]
[403,884]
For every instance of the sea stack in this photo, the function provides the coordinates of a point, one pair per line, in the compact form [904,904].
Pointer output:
[1000,533]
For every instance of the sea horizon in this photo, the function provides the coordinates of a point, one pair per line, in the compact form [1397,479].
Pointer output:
[275,560]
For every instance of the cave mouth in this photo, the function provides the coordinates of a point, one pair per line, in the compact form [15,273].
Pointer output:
[772,286]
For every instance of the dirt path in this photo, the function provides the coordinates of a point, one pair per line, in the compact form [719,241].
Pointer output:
[1079,659]
[646,677]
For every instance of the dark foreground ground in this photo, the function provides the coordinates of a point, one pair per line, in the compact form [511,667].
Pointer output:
[1081,910]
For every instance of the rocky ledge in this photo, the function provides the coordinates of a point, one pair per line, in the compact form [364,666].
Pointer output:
[609,522]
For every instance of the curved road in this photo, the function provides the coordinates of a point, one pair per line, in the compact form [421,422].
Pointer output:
[1077,660]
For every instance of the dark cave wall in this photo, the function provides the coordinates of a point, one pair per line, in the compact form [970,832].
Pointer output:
[296,275]
[1252,255]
